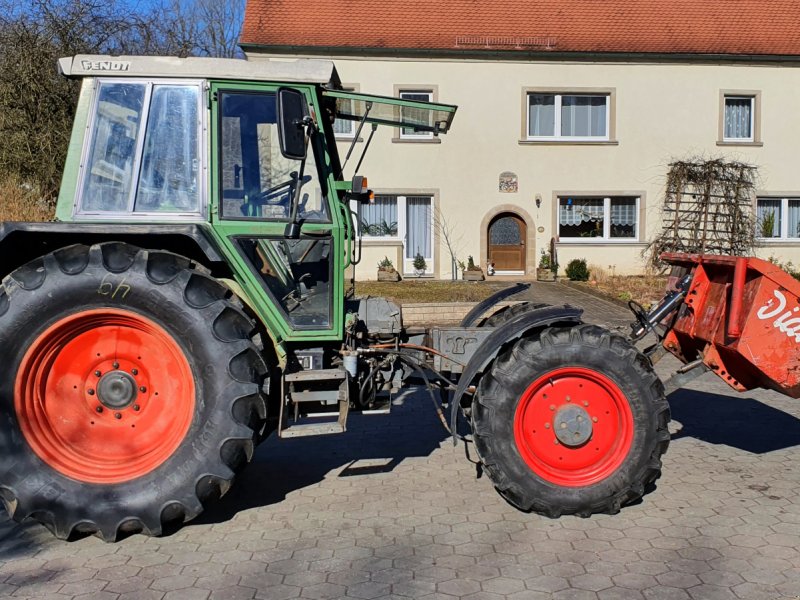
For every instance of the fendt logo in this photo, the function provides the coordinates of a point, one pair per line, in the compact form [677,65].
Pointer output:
[791,327]
[105,65]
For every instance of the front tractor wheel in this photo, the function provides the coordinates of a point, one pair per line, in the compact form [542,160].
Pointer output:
[132,395]
[571,421]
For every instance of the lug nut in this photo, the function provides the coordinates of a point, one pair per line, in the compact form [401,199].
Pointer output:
[135,407]
[99,409]
[547,425]
[555,441]
[142,389]
[594,419]
[569,399]
[585,403]
[134,371]
[90,392]
[117,416]
[115,365]
[552,407]
[97,373]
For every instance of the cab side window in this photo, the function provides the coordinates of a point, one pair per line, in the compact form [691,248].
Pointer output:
[144,150]
[109,177]
[168,178]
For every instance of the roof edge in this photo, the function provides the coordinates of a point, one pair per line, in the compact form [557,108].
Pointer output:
[300,70]
[499,55]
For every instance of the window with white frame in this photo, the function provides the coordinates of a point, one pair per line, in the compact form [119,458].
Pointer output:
[345,128]
[739,119]
[378,219]
[574,117]
[593,218]
[416,114]
[393,218]
[778,218]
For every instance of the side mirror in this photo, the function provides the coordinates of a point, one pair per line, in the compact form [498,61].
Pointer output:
[292,115]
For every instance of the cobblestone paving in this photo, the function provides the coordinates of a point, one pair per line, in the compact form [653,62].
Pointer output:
[392,510]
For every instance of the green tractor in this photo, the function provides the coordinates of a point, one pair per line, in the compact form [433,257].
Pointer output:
[190,300]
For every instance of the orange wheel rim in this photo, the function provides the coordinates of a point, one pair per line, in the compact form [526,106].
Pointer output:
[573,426]
[104,396]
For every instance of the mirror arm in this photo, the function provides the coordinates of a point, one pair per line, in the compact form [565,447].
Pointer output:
[292,230]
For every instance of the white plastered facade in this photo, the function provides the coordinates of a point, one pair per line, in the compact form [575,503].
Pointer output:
[658,112]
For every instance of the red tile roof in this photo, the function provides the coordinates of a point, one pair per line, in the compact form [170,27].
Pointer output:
[755,27]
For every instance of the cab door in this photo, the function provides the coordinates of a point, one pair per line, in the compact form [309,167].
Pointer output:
[295,284]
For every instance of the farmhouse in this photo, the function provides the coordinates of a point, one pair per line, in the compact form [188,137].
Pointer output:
[570,112]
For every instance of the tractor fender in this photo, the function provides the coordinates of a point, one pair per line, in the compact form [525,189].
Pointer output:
[501,337]
[22,242]
[473,315]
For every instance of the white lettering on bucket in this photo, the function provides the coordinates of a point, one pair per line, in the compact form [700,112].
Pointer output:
[791,327]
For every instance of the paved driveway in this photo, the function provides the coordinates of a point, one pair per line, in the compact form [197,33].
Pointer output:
[391,510]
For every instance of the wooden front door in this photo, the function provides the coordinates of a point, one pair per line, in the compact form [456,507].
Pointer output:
[507,234]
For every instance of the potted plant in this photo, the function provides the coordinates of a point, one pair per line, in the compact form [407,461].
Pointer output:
[546,271]
[420,265]
[473,272]
[386,270]
[768,225]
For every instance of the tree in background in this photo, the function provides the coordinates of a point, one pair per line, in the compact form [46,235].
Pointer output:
[37,105]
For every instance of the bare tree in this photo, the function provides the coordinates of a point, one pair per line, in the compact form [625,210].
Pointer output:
[452,239]
[37,105]
[201,27]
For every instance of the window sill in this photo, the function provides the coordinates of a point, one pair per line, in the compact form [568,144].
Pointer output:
[433,140]
[600,242]
[368,242]
[568,143]
[779,241]
[737,143]
[346,138]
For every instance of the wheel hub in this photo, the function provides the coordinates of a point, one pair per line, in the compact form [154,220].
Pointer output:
[116,390]
[572,425]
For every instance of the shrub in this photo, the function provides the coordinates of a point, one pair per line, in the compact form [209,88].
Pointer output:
[22,202]
[577,270]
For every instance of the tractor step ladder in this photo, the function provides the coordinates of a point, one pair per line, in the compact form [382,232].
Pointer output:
[321,386]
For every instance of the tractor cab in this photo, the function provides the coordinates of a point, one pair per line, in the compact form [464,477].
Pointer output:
[242,152]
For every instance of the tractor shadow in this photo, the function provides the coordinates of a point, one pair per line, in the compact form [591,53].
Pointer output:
[372,444]
[736,421]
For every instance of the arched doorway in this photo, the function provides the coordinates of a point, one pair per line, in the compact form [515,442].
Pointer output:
[507,237]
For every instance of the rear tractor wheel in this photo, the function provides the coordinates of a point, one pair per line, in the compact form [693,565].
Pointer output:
[571,421]
[132,392]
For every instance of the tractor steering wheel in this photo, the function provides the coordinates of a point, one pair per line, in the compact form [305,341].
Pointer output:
[264,196]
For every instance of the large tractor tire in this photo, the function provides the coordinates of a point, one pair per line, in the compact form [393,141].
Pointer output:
[130,393]
[571,421]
